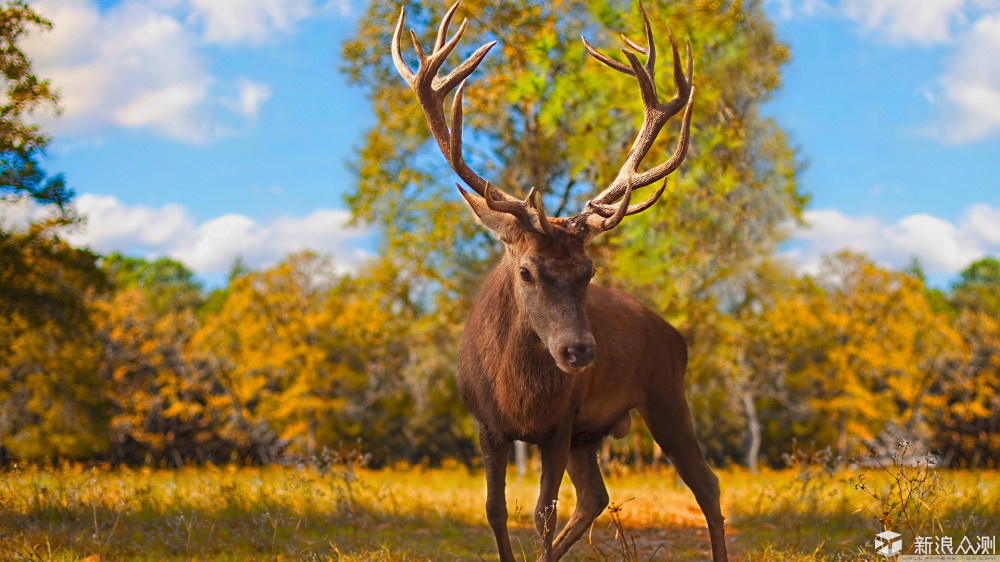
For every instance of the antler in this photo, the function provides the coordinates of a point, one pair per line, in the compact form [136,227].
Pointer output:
[431,91]
[599,213]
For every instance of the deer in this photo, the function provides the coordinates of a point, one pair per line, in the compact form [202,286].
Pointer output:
[546,356]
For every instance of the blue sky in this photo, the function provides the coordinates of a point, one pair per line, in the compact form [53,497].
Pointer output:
[211,129]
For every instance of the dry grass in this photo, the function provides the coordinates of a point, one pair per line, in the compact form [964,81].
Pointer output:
[412,513]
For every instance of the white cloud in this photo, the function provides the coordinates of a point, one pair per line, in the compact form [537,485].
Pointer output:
[208,247]
[941,246]
[134,66]
[16,213]
[971,85]
[250,96]
[968,96]
[907,21]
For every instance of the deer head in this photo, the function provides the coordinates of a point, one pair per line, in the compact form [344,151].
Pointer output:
[546,258]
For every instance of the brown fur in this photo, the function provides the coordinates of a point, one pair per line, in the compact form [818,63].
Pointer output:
[512,384]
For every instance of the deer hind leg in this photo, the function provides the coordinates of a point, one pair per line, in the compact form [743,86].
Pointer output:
[591,496]
[669,421]
[495,462]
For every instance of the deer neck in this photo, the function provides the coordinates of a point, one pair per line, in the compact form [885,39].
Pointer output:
[527,394]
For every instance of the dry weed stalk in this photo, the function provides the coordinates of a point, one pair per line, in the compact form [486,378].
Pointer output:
[910,496]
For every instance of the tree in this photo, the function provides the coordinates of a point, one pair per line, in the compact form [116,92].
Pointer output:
[51,396]
[409,407]
[266,346]
[964,402]
[979,287]
[165,408]
[48,374]
[539,113]
[857,351]
[21,144]
[169,285]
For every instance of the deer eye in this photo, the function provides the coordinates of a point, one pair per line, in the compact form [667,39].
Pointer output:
[526,275]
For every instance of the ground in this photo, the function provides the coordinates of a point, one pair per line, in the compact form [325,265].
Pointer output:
[345,512]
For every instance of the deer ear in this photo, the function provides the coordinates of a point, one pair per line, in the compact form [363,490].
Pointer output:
[504,225]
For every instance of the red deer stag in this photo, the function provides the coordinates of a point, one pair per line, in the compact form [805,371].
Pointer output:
[546,357]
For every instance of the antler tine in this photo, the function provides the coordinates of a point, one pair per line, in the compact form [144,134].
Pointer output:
[463,70]
[420,50]
[632,44]
[598,224]
[431,91]
[649,50]
[608,210]
[529,212]
[441,54]
[431,94]
[443,28]
[666,168]
[397,56]
[623,68]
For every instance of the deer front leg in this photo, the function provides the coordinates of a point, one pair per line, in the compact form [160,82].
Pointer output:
[591,496]
[555,455]
[495,451]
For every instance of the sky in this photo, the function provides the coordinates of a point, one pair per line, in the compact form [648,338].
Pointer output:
[206,130]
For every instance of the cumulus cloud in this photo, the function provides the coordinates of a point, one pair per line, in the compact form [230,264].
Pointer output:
[134,66]
[140,64]
[971,84]
[208,247]
[943,247]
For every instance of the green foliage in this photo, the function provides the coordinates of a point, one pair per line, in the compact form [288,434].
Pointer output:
[979,287]
[169,285]
[539,112]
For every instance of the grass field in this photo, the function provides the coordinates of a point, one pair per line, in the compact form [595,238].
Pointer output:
[344,512]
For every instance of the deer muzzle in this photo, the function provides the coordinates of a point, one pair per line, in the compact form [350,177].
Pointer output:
[574,355]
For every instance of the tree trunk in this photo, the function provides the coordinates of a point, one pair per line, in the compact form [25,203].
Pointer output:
[521,458]
[657,455]
[311,439]
[637,450]
[753,428]
[842,439]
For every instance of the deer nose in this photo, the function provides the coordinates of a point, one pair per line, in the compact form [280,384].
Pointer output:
[579,355]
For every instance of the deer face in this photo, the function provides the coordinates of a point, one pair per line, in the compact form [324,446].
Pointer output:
[550,275]
[550,271]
